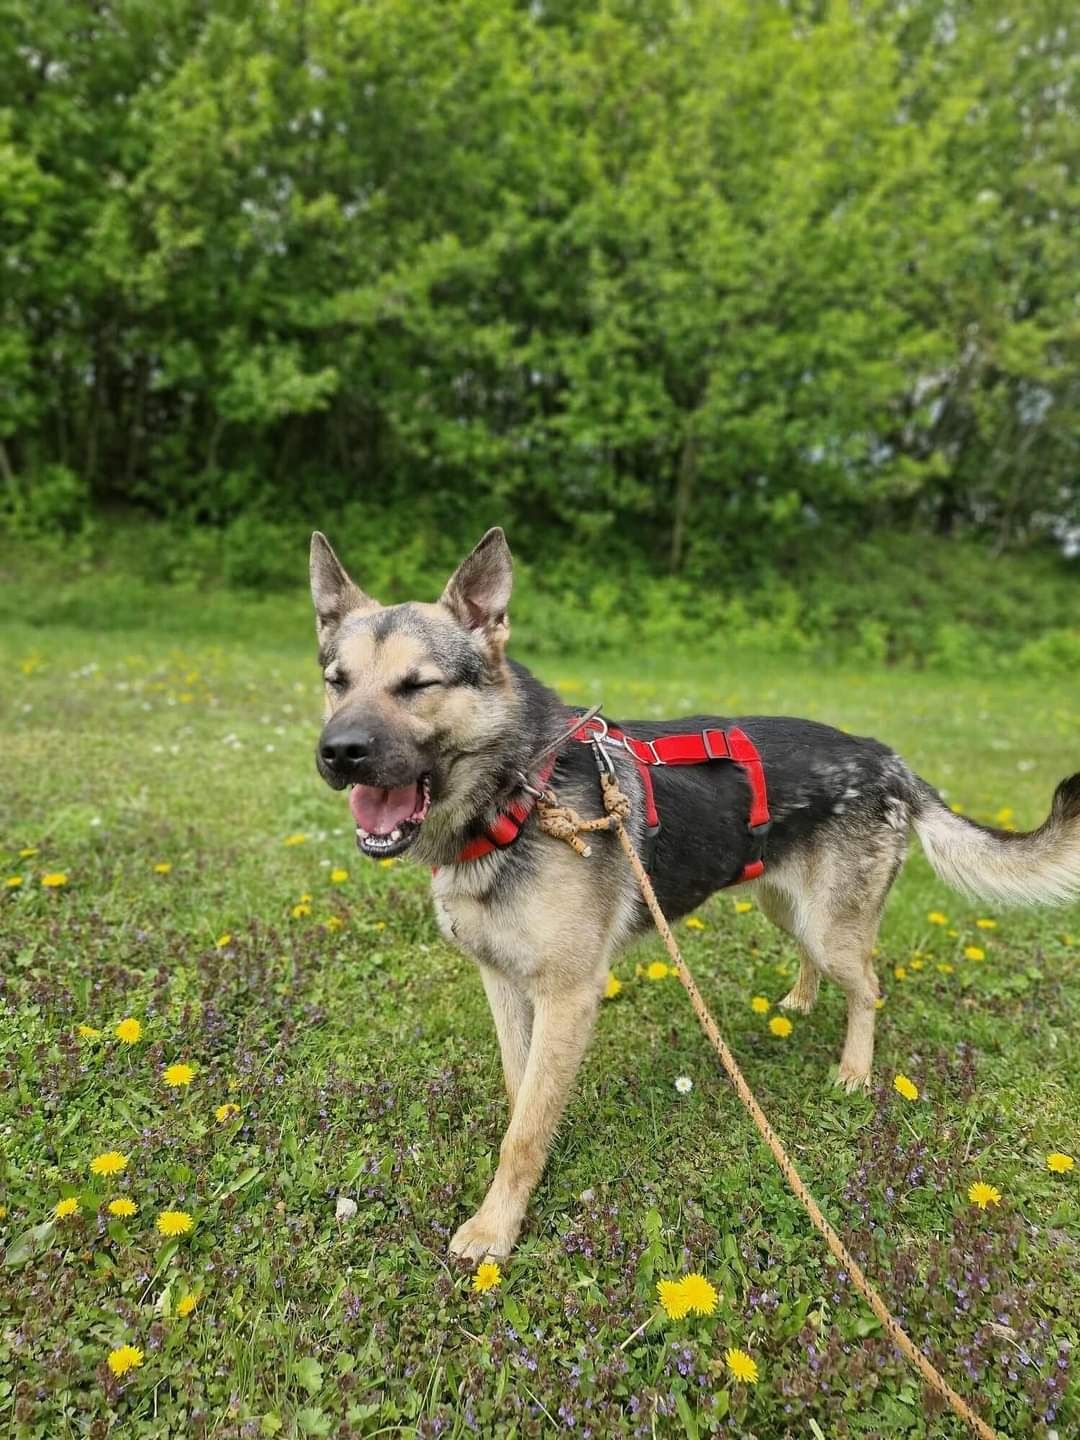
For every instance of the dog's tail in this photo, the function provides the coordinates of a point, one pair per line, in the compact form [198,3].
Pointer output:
[1039,867]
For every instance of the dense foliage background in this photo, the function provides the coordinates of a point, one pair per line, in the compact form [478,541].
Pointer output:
[722,287]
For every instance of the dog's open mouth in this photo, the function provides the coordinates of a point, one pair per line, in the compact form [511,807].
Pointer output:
[388,821]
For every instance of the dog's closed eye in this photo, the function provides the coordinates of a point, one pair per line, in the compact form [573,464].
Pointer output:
[414,683]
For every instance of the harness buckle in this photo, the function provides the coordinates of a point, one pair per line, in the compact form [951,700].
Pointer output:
[523,782]
[604,762]
[650,745]
[595,719]
[709,751]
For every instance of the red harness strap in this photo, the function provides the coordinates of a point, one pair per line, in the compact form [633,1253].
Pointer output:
[506,827]
[695,747]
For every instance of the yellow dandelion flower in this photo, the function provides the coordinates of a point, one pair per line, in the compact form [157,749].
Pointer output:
[54,879]
[13,882]
[742,1366]
[162,867]
[917,963]
[900,972]
[129,1031]
[905,1087]
[87,1032]
[110,1162]
[974,952]
[879,1003]
[693,923]
[28,852]
[127,1357]
[338,875]
[937,918]
[613,986]
[222,941]
[657,970]
[63,1208]
[759,1005]
[178,1074]
[300,911]
[487,1277]
[743,907]
[699,1294]
[226,1112]
[186,1305]
[982,1195]
[297,839]
[781,1025]
[333,923]
[385,864]
[1059,1162]
[673,1298]
[3,1212]
[944,968]
[952,934]
[986,924]
[1004,815]
[122,1208]
[174,1222]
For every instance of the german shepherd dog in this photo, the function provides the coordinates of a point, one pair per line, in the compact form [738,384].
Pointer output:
[433,729]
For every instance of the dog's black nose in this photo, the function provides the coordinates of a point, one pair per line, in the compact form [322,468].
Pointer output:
[343,750]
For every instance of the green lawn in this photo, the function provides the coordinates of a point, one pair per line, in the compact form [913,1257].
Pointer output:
[357,1048]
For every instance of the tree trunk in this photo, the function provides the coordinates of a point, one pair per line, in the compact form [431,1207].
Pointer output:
[684,494]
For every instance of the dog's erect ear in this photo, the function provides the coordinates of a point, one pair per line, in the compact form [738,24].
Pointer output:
[332,592]
[478,592]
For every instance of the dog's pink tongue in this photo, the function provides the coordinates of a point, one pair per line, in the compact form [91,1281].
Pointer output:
[380,811]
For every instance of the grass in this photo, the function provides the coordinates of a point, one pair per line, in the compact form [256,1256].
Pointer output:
[356,1047]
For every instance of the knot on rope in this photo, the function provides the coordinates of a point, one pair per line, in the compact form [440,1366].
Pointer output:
[562,823]
[615,802]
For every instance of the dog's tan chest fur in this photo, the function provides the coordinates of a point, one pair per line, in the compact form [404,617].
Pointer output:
[533,934]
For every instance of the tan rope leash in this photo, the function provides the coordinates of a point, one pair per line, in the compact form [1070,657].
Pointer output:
[563,823]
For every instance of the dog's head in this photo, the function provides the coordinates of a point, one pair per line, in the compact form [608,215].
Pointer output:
[416,694]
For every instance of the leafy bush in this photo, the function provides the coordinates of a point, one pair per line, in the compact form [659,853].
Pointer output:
[53,502]
[902,600]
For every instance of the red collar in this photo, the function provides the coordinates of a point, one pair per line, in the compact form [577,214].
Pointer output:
[506,827]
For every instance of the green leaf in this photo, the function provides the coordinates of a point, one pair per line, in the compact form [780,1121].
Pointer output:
[30,1243]
[244,1178]
[309,1373]
[686,1416]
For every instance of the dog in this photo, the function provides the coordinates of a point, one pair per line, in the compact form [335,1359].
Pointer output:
[436,733]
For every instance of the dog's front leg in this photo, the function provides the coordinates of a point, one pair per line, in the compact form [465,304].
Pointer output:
[562,1025]
[512,1011]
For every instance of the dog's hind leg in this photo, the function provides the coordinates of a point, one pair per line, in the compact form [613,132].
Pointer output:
[848,947]
[780,910]
[840,938]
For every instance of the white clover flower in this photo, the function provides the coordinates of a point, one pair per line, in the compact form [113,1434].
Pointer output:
[345,1208]
[683,1084]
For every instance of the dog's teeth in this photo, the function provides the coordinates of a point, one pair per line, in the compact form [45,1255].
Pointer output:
[362,832]
[395,835]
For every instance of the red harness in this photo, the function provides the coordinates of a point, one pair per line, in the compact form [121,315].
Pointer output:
[694,747]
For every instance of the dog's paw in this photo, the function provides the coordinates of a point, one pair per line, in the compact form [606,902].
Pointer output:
[797,1000]
[852,1080]
[479,1239]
